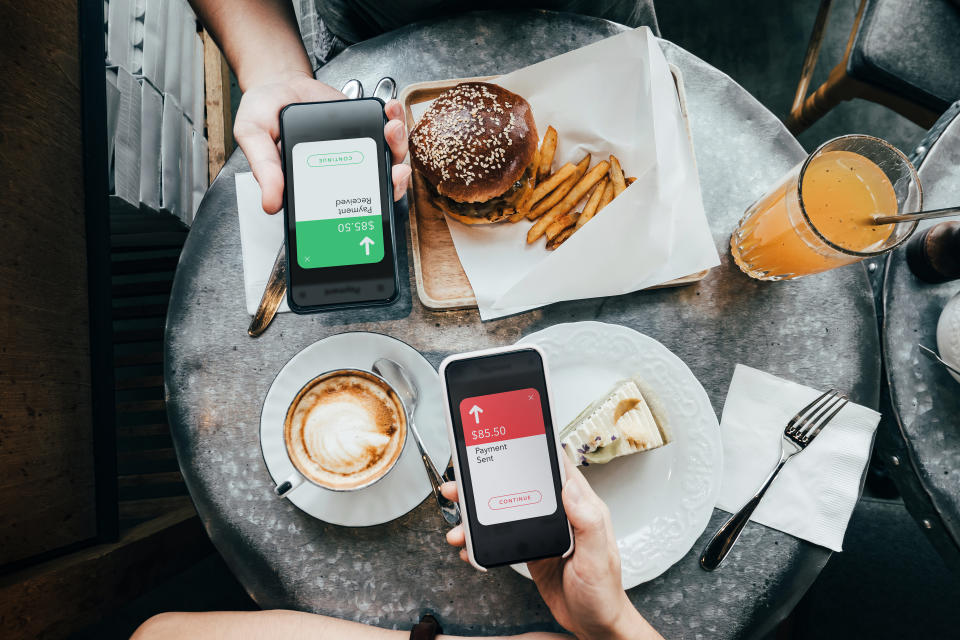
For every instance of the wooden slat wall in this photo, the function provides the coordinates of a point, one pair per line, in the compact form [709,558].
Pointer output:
[47,498]
[149,480]
[219,115]
[41,246]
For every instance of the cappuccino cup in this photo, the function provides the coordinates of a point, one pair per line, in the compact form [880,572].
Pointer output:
[344,431]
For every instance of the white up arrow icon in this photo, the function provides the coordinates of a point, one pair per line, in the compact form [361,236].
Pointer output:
[475,411]
[365,243]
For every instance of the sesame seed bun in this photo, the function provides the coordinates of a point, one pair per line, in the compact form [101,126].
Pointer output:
[473,145]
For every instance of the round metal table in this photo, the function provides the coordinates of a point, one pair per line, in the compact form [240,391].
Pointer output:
[921,446]
[820,331]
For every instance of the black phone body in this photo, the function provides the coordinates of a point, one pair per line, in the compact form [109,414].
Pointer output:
[506,456]
[338,206]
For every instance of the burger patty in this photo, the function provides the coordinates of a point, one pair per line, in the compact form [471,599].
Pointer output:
[510,199]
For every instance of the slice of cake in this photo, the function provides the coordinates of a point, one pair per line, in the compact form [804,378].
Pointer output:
[618,424]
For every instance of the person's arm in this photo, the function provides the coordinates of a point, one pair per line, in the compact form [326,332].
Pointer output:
[261,41]
[267,625]
[259,38]
[584,591]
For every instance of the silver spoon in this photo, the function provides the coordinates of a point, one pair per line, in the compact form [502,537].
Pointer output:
[920,215]
[408,392]
[352,89]
[386,89]
[930,353]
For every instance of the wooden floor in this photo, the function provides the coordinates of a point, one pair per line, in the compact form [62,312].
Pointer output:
[59,597]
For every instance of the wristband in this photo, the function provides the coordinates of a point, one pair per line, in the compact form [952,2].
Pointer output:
[427,629]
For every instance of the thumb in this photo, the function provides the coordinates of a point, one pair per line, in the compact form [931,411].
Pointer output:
[586,513]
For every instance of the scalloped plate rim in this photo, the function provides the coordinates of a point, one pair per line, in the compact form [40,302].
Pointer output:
[700,515]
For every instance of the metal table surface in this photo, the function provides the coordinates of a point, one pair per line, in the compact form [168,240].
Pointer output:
[921,446]
[819,331]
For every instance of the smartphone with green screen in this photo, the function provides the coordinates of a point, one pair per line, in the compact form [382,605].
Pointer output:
[338,206]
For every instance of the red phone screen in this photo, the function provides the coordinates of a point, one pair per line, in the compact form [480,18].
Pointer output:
[508,457]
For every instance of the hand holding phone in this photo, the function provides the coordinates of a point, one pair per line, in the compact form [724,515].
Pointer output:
[583,591]
[338,205]
[506,456]
[258,118]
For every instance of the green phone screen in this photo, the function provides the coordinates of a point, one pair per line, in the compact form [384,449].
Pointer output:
[338,215]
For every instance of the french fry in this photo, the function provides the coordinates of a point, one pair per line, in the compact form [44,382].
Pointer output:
[524,204]
[586,183]
[547,150]
[593,202]
[506,214]
[536,165]
[631,180]
[560,192]
[616,176]
[569,201]
[548,203]
[518,216]
[561,238]
[551,183]
[540,226]
[562,222]
[606,197]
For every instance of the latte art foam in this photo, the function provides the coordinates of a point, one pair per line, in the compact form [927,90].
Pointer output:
[345,430]
[343,437]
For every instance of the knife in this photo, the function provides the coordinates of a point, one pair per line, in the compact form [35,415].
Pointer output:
[930,353]
[272,296]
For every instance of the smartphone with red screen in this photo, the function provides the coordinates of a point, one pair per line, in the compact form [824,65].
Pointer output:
[506,456]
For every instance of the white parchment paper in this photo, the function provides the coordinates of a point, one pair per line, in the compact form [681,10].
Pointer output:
[614,96]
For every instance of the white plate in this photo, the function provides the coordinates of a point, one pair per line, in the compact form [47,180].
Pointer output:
[661,500]
[948,334]
[406,485]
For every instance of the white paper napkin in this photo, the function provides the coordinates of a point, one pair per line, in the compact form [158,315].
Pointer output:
[260,238]
[814,494]
[614,96]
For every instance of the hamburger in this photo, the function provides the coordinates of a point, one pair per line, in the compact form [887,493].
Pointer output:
[475,149]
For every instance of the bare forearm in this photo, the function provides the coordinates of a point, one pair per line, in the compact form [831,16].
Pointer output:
[266,625]
[256,625]
[259,38]
[630,625]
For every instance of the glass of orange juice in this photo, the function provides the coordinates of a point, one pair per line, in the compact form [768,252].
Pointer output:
[819,216]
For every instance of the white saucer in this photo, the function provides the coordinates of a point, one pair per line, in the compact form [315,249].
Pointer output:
[660,501]
[406,485]
[948,334]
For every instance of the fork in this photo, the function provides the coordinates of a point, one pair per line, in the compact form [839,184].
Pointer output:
[800,432]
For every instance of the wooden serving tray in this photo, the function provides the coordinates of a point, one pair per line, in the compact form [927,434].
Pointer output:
[441,281]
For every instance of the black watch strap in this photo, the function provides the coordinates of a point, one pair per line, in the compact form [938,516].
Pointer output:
[427,629]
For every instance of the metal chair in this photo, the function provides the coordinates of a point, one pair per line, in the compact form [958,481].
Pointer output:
[902,54]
